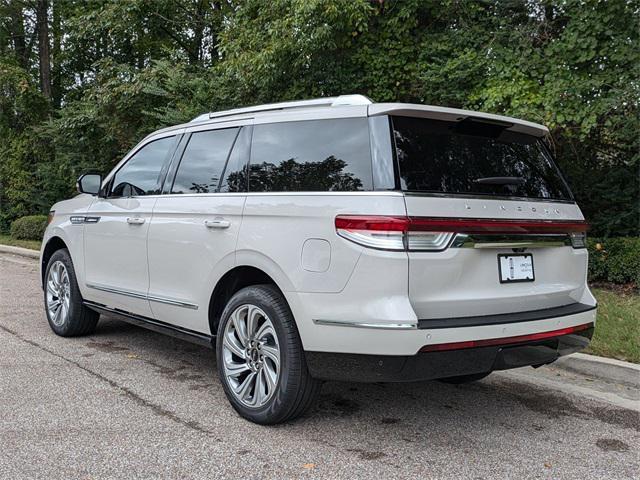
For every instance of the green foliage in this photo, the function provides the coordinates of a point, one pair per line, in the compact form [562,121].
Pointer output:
[617,326]
[124,69]
[615,260]
[31,244]
[31,227]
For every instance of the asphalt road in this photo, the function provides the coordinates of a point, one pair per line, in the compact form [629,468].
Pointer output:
[129,403]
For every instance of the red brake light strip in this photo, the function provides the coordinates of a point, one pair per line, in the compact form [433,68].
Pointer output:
[457,225]
[441,347]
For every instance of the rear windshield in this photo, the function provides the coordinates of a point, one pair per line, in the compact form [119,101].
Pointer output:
[474,158]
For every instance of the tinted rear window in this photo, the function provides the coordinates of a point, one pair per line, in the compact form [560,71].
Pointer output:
[474,158]
[311,156]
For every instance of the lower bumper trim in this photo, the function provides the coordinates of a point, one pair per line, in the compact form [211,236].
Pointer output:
[431,365]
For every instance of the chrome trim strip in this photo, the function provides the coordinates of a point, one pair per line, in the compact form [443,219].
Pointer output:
[518,244]
[82,219]
[489,240]
[142,296]
[380,326]
[117,291]
[172,301]
[363,193]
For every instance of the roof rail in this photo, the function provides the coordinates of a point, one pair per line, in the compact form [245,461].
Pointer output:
[341,100]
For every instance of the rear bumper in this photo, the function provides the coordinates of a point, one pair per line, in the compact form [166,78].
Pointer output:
[394,330]
[463,360]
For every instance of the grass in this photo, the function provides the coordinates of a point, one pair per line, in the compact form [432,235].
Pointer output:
[9,240]
[617,332]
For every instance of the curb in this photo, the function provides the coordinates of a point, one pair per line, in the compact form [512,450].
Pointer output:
[606,369]
[23,252]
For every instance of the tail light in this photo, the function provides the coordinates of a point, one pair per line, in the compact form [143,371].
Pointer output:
[52,214]
[435,234]
[391,233]
[385,233]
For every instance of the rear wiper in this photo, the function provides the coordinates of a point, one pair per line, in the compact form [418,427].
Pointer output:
[500,180]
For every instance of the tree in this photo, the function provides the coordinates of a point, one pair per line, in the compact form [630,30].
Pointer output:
[83,80]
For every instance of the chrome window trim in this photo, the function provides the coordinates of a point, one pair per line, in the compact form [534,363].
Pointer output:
[389,193]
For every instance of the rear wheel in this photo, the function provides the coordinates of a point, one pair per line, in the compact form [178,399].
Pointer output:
[65,311]
[464,378]
[260,359]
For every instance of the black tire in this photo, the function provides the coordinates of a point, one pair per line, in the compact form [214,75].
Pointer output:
[80,320]
[464,378]
[295,389]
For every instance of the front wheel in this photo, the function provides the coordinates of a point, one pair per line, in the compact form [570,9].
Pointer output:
[65,311]
[260,359]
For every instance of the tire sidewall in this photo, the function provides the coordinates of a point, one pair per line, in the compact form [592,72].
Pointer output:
[75,301]
[282,400]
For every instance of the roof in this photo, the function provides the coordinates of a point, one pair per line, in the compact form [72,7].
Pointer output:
[357,105]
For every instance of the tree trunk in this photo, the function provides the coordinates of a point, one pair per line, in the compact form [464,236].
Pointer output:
[42,24]
[56,73]
[196,55]
[18,34]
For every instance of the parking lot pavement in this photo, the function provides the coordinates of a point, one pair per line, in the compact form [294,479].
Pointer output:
[129,403]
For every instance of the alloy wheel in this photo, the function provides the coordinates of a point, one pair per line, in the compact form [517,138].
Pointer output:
[58,293]
[251,356]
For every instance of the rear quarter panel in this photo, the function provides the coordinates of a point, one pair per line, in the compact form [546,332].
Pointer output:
[276,228]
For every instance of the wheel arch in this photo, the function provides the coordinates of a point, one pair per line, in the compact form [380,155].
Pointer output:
[54,244]
[237,278]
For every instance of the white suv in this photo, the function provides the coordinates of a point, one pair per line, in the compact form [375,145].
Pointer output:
[331,239]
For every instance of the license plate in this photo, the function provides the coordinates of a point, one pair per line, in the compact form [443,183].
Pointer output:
[516,268]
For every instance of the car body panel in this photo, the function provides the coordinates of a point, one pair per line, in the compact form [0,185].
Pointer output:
[278,225]
[186,257]
[345,298]
[115,252]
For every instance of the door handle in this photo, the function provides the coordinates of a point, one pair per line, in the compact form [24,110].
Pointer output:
[217,223]
[135,220]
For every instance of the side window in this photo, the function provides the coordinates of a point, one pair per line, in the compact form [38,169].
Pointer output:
[203,161]
[141,174]
[311,156]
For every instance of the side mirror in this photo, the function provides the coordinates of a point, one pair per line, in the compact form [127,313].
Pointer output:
[89,183]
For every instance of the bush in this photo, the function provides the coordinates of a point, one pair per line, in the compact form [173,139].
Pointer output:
[615,260]
[30,227]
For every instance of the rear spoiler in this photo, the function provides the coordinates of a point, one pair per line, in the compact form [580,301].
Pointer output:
[457,115]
